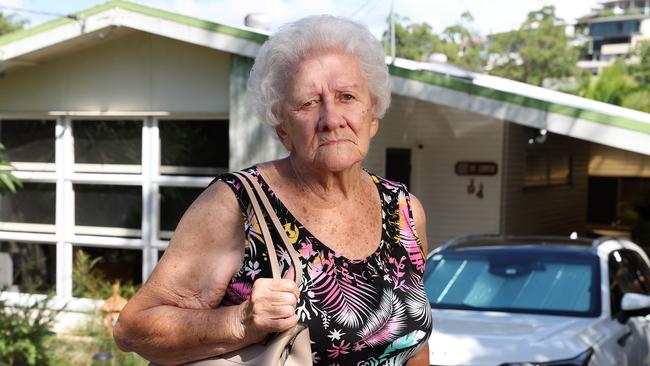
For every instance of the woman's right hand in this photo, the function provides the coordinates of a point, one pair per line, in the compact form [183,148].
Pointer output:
[271,308]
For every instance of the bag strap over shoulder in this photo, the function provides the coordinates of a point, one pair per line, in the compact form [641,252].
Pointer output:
[247,180]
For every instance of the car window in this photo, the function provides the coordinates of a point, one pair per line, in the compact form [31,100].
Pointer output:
[514,281]
[641,271]
[628,272]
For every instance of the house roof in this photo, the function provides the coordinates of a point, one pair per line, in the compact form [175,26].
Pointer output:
[436,83]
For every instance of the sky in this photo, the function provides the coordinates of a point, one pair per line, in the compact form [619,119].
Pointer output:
[490,16]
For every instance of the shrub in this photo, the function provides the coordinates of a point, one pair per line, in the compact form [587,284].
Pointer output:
[25,333]
[90,282]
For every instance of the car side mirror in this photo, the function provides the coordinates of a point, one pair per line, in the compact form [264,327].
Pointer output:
[633,304]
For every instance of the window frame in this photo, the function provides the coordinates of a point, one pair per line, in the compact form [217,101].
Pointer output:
[630,261]
[64,176]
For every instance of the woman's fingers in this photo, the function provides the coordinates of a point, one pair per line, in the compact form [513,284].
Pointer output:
[271,307]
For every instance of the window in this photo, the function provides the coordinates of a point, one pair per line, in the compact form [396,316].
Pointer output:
[174,201]
[29,143]
[107,146]
[108,264]
[31,208]
[113,196]
[517,281]
[547,169]
[27,267]
[108,210]
[194,147]
[628,273]
[619,202]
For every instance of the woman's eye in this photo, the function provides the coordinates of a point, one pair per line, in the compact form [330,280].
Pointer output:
[308,104]
[347,96]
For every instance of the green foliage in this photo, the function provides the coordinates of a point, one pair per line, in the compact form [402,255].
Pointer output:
[10,23]
[8,182]
[90,282]
[417,41]
[613,84]
[90,338]
[641,71]
[637,216]
[414,41]
[623,83]
[25,334]
[639,100]
[538,50]
[465,47]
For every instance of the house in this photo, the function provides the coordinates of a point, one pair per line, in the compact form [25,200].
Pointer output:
[118,117]
[612,31]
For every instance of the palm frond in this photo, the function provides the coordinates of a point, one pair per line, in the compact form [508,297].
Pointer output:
[349,301]
[386,322]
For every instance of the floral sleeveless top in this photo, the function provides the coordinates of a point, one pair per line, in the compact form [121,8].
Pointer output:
[370,311]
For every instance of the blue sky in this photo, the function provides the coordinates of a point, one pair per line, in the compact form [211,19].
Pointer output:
[490,15]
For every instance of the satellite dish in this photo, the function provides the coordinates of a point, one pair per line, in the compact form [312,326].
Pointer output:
[437,57]
[258,21]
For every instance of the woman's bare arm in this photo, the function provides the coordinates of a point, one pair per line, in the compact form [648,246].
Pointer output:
[175,317]
[422,357]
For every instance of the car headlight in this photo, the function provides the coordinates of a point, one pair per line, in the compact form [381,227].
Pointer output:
[580,360]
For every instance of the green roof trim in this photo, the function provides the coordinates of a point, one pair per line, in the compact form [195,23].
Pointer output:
[195,22]
[161,14]
[466,87]
[421,76]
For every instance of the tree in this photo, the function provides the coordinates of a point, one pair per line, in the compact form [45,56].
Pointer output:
[10,23]
[418,41]
[538,50]
[612,85]
[414,41]
[641,71]
[465,44]
[8,182]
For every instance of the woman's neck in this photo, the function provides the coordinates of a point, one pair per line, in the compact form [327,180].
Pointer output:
[325,184]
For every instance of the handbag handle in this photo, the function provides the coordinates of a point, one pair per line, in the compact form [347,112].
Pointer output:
[247,180]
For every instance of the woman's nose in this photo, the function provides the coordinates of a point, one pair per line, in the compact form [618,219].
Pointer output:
[330,116]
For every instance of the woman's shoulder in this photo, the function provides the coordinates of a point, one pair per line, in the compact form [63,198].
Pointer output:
[231,179]
[387,184]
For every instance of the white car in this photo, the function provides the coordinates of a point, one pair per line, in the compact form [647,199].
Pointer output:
[539,302]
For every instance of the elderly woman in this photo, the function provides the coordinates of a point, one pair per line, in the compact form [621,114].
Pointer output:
[322,83]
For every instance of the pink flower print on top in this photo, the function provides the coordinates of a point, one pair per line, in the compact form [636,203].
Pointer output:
[398,272]
[408,238]
[336,351]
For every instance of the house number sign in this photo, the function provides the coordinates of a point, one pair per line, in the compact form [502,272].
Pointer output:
[476,168]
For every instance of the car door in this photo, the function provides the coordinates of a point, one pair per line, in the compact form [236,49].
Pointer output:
[626,276]
[641,272]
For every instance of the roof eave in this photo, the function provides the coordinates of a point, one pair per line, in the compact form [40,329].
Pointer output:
[83,17]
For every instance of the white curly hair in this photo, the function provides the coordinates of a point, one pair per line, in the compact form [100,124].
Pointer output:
[300,40]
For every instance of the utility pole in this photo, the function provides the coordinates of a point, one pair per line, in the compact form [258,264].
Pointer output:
[392,31]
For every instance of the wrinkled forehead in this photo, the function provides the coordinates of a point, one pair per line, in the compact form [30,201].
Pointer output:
[335,70]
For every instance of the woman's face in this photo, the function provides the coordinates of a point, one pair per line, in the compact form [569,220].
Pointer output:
[327,118]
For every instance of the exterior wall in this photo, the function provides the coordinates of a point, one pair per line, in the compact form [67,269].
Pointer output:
[645,28]
[251,140]
[134,72]
[447,136]
[607,161]
[553,210]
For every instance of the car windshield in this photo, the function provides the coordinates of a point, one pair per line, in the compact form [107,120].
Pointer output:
[521,280]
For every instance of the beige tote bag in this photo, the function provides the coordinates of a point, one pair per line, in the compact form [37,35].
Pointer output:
[291,347]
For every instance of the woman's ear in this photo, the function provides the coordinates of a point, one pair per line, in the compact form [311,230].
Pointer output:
[374,127]
[283,136]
